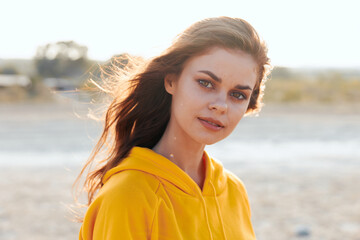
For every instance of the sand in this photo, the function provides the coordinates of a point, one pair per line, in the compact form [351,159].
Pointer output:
[316,199]
[285,202]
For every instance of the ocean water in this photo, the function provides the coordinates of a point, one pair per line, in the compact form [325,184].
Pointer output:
[61,135]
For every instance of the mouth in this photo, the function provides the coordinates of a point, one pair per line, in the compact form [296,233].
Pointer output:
[212,122]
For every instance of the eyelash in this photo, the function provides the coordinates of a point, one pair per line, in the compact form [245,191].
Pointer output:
[202,81]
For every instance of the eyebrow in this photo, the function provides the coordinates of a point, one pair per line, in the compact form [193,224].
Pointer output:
[216,78]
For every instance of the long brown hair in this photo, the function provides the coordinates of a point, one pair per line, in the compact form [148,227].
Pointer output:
[140,112]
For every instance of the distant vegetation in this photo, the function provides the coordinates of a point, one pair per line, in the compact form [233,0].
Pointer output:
[68,62]
[63,64]
[321,86]
[62,60]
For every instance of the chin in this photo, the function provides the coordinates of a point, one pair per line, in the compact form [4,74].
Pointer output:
[209,141]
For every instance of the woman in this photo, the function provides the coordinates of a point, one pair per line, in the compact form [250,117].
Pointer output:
[156,181]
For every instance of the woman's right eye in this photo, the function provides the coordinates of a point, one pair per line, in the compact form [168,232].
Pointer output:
[205,83]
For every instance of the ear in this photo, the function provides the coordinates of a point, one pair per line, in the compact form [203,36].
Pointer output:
[169,83]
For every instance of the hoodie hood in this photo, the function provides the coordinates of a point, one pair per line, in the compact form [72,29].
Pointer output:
[167,203]
[146,160]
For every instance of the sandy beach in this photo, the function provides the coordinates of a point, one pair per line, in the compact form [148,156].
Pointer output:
[303,194]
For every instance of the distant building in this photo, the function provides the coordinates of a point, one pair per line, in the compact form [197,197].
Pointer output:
[9,80]
[59,84]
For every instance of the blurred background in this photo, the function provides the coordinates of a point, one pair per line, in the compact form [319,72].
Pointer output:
[299,157]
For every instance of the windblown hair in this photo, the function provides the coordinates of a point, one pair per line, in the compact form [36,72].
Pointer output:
[140,111]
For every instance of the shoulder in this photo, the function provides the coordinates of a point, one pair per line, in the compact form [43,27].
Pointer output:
[125,197]
[238,187]
[129,187]
[124,208]
[234,180]
[226,179]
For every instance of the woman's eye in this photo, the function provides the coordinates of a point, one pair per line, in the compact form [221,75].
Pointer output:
[205,83]
[238,95]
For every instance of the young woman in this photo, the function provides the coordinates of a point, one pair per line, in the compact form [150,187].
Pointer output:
[156,181]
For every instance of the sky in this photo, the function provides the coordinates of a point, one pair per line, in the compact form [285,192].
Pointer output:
[307,33]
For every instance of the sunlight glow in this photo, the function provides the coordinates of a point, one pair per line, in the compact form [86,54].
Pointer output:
[298,33]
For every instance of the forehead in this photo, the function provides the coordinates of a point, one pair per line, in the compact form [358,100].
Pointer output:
[224,63]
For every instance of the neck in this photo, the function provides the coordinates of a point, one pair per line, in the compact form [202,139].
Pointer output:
[183,151]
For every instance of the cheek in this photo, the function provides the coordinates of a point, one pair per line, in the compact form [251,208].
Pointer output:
[237,114]
[185,104]
[191,98]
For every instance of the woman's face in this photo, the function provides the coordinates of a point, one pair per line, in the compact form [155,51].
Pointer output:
[211,94]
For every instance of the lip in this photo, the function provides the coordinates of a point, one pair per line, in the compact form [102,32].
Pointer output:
[211,123]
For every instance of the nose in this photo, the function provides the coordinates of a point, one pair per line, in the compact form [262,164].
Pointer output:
[220,105]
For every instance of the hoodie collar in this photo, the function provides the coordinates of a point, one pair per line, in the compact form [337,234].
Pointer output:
[147,160]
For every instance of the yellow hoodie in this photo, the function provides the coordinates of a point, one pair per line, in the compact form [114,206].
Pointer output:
[148,197]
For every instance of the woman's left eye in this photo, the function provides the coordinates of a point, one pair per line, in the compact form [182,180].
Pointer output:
[238,95]
[205,83]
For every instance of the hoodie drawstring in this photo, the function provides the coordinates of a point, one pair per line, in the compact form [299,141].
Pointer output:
[218,211]
[207,218]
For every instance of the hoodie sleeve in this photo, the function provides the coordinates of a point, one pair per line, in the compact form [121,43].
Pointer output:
[123,209]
